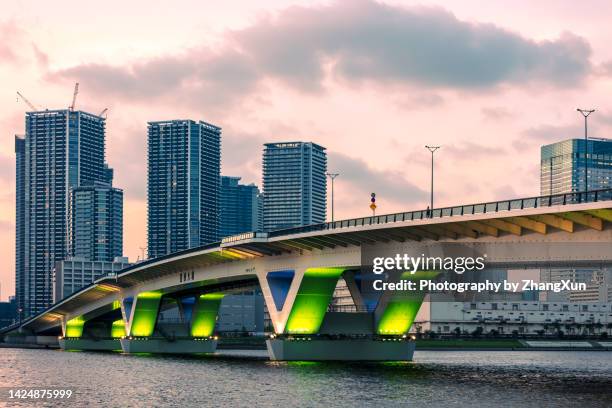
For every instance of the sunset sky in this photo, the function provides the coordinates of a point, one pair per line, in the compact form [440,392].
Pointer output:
[372,81]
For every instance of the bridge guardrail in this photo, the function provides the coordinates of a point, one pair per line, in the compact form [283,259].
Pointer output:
[480,208]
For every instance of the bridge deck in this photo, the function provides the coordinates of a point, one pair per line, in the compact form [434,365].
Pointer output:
[510,218]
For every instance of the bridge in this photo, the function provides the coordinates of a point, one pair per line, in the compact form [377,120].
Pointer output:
[298,269]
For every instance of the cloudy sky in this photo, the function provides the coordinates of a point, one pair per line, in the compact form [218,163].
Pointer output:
[372,81]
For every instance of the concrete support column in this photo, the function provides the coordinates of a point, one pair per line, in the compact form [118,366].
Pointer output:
[397,310]
[205,314]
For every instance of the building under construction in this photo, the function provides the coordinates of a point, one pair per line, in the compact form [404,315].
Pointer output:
[62,150]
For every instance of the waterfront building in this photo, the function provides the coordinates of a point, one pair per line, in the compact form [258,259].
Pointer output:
[294,184]
[96,222]
[562,166]
[62,149]
[598,284]
[243,312]
[184,163]
[513,317]
[240,207]
[72,274]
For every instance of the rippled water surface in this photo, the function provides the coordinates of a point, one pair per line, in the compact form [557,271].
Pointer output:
[435,378]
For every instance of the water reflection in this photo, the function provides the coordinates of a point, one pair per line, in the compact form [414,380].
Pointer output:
[450,378]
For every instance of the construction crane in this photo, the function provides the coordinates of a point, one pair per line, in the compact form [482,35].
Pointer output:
[74,96]
[103,113]
[30,104]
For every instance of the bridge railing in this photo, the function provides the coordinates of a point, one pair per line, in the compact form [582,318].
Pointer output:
[480,208]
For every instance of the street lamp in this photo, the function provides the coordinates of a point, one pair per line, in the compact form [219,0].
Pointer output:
[432,149]
[332,176]
[586,113]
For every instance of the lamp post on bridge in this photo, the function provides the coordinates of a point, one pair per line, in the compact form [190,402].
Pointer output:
[586,113]
[432,149]
[332,176]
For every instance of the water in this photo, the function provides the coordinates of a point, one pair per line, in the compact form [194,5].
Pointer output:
[237,379]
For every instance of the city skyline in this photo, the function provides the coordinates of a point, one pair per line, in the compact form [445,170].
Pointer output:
[445,109]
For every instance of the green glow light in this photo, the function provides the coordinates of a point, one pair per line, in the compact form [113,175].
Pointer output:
[146,308]
[398,316]
[401,310]
[313,297]
[205,314]
[118,329]
[74,327]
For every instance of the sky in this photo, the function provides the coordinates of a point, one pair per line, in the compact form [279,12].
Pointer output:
[373,82]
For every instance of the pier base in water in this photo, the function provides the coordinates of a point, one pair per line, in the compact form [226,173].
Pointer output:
[340,350]
[89,344]
[164,346]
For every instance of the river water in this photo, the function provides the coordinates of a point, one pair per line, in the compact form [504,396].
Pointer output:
[237,379]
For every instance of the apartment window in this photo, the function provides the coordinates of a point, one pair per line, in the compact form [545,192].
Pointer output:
[493,306]
[545,307]
[515,306]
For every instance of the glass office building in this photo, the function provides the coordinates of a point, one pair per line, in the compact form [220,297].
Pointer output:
[62,149]
[563,166]
[294,184]
[184,165]
[96,222]
[240,207]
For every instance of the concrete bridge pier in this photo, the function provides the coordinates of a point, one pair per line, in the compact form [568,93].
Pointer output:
[307,331]
[98,331]
[146,335]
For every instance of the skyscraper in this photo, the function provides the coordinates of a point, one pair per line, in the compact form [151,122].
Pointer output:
[20,278]
[294,184]
[240,207]
[63,149]
[96,222]
[563,164]
[184,165]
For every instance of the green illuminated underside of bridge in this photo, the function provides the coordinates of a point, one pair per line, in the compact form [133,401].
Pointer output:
[403,307]
[74,327]
[145,312]
[313,297]
[205,314]
[118,329]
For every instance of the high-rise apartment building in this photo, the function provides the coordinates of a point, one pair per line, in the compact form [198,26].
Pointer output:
[240,207]
[294,184]
[562,168]
[96,222]
[63,149]
[184,165]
